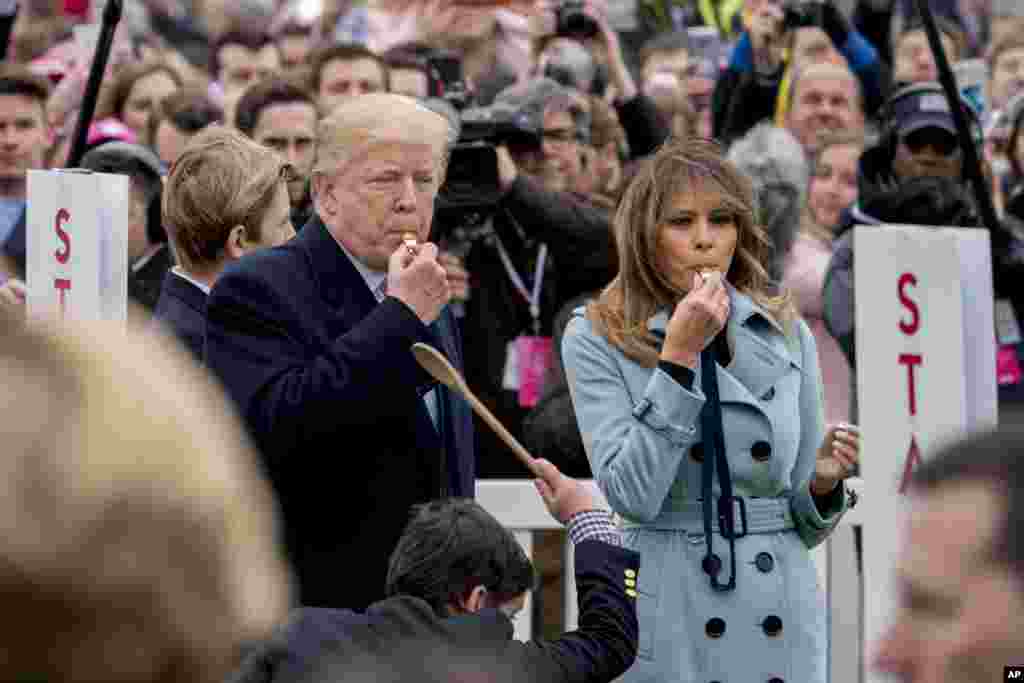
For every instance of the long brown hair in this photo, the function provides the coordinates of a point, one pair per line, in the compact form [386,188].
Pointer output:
[639,290]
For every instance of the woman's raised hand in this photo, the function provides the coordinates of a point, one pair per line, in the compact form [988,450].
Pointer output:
[700,316]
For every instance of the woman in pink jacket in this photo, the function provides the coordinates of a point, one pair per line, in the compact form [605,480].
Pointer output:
[833,188]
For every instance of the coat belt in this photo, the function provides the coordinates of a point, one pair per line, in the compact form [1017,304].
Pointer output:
[763,516]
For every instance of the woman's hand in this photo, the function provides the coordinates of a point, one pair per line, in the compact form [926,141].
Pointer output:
[838,458]
[12,296]
[696,320]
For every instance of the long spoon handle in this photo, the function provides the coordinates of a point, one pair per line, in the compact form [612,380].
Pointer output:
[524,456]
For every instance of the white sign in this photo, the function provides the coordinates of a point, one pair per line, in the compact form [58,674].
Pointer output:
[926,374]
[77,245]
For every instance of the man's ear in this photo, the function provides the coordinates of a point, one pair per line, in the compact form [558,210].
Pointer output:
[237,243]
[323,194]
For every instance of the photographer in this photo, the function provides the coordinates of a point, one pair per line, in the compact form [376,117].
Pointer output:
[748,90]
[541,245]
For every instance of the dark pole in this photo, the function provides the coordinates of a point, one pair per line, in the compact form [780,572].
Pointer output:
[111,16]
[6,28]
[972,161]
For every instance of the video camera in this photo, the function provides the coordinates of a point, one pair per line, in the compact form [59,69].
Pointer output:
[472,183]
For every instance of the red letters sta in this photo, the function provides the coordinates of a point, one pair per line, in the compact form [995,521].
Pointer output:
[62,254]
[909,327]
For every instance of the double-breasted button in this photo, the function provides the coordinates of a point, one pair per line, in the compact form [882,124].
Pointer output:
[772,625]
[761,451]
[697,452]
[765,562]
[711,564]
[715,627]
[769,395]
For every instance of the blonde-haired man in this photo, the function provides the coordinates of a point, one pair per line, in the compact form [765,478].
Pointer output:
[225,197]
[312,339]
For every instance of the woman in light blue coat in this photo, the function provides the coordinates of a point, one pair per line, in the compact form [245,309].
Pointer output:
[639,360]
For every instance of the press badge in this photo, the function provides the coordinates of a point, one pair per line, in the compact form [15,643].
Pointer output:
[510,377]
[1008,369]
[534,362]
[1007,327]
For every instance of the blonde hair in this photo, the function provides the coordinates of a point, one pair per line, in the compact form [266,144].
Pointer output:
[222,179]
[138,539]
[808,224]
[640,289]
[378,117]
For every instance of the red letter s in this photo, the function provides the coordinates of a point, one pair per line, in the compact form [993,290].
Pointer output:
[909,304]
[62,217]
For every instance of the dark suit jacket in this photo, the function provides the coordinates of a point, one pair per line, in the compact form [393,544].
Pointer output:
[326,382]
[397,640]
[182,310]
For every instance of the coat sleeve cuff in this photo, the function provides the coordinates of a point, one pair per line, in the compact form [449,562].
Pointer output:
[813,523]
[669,409]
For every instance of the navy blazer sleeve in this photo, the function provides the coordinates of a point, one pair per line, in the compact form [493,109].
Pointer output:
[294,385]
[604,645]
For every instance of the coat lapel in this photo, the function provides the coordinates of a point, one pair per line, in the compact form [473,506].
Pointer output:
[760,353]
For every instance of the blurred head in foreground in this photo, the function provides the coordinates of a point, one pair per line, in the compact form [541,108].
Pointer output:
[960,570]
[138,541]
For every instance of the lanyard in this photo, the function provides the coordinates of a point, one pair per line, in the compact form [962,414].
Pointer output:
[531,298]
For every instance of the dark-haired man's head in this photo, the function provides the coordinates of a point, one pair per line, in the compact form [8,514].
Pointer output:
[24,132]
[241,59]
[458,558]
[960,570]
[177,119]
[283,117]
[344,71]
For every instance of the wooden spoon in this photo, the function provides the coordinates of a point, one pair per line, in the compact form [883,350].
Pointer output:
[434,362]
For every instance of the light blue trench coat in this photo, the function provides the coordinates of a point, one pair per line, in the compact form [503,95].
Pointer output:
[640,427]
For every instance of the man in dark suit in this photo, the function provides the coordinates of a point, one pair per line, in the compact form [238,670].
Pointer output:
[312,340]
[226,196]
[455,581]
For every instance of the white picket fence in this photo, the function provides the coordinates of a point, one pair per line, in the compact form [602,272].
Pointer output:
[517,506]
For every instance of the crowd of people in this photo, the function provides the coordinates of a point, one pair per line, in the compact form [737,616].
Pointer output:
[627,224]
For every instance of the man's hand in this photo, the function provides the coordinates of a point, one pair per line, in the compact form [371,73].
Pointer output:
[458,276]
[419,281]
[766,37]
[563,496]
[507,169]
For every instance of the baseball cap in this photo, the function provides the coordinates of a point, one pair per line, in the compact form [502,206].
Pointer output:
[925,109]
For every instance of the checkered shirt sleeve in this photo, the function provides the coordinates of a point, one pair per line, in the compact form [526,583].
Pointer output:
[594,525]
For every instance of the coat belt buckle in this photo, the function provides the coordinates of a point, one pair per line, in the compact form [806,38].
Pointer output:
[727,518]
